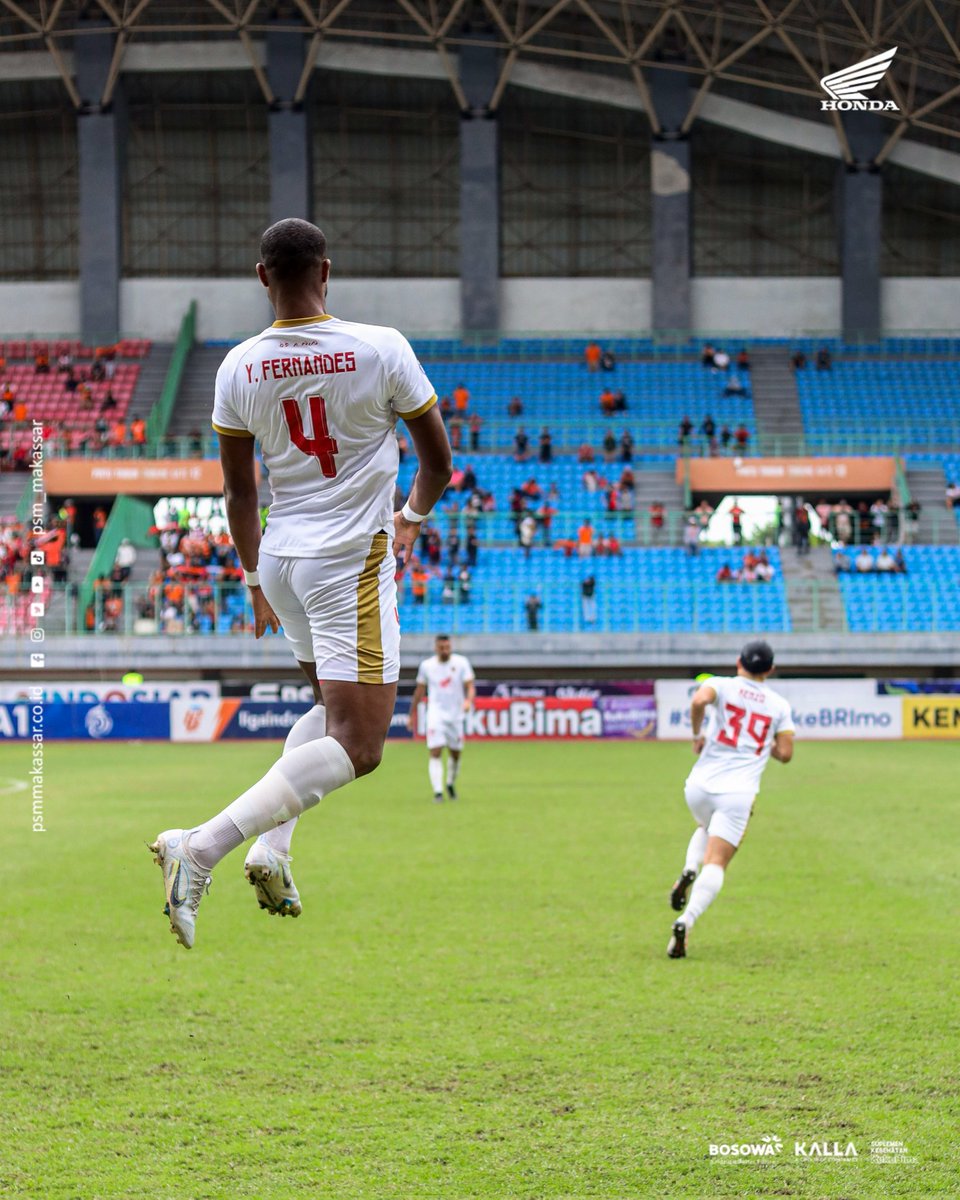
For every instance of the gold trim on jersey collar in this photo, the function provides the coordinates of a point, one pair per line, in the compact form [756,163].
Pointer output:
[302,321]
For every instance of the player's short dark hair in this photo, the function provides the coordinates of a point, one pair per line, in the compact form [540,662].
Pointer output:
[292,248]
[442,637]
[757,658]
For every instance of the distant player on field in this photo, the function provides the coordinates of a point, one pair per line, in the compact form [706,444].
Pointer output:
[322,397]
[447,679]
[748,724]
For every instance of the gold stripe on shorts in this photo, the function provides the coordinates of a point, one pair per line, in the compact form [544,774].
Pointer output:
[369,629]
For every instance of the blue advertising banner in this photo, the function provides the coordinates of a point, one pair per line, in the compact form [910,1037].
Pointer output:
[85,722]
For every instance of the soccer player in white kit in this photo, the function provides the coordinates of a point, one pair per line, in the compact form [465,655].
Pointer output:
[750,723]
[322,396]
[449,683]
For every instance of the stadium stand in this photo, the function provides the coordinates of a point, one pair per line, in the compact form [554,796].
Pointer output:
[925,598]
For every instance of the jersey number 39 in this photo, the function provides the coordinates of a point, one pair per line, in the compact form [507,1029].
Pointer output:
[758,725]
[321,445]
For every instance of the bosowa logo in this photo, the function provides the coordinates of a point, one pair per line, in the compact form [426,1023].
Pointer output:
[846,88]
[768,1146]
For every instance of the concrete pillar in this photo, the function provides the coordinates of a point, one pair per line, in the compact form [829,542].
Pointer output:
[288,129]
[479,191]
[860,216]
[100,139]
[671,256]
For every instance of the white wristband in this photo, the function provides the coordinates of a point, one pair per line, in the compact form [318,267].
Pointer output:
[408,514]
[251,578]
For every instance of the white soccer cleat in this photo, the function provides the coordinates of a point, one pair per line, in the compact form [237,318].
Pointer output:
[268,870]
[183,881]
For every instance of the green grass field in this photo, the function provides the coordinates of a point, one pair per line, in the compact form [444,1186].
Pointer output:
[476,1001]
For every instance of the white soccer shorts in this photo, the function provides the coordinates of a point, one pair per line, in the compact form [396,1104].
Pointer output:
[444,731]
[722,814]
[339,610]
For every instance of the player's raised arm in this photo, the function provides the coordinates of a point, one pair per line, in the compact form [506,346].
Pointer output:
[434,468]
[243,517]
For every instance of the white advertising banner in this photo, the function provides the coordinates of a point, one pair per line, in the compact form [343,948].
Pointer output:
[195,720]
[83,692]
[822,708]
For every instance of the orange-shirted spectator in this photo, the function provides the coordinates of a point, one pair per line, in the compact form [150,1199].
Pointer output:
[13,583]
[19,411]
[99,521]
[593,354]
[461,398]
[585,540]
[3,363]
[41,362]
[608,401]
[8,393]
[118,434]
[138,433]
[419,579]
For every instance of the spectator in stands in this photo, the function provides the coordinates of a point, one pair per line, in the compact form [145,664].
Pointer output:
[721,360]
[532,605]
[686,428]
[864,561]
[626,446]
[691,537]
[8,393]
[864,523]
[41,362]
[545,514]
[608,360]
[843,521]
[109,404]
[619,402]
[6,408]
[585,539]
[446,408]
[893,520]
[98,371]
[138,435]
[521,446]
[742,436]
[658,516]
[900,562]
[588,599]
[824,362]
[476,422]
[464,584]
[801,528]
[473,547]
[419,581]
[726,433]
[765,569]
[546,446]
[886,563]
[118,434]
[592,355]
[527,532]
[953,495]
[19,411]
[515,407]
[735,387]
[743,360]
[878,518]
[608,402]
[125,560]
[455,432]
[609,446]
[725,574]
[842,564]
[911,521]
[708,428]
[706,355]
[703,514]
[799,360]
[65,363]
[736,522]
[586,453]
[461,398]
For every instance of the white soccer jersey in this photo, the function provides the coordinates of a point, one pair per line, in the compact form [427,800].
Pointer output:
[747,717]
[322,397]
[446,684]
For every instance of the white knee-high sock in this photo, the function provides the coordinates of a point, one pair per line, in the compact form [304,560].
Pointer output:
[696,850]
[293,784]
[311,726]
[435,767]
[705,890]
[453,769]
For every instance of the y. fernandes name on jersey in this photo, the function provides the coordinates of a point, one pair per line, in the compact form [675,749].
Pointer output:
[299,365]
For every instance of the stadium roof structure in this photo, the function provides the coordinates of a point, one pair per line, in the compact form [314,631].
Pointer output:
[761,53]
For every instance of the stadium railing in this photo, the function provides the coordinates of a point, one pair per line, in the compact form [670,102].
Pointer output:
[650,437]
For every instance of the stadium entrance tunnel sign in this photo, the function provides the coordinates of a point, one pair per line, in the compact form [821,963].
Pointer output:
[931,716]
[783,476]
[133,477]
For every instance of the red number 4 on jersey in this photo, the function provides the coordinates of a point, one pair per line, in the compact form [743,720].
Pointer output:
[321,446]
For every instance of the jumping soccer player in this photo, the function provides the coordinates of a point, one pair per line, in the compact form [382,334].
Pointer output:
[322,397]
[750,724]
[448,681]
